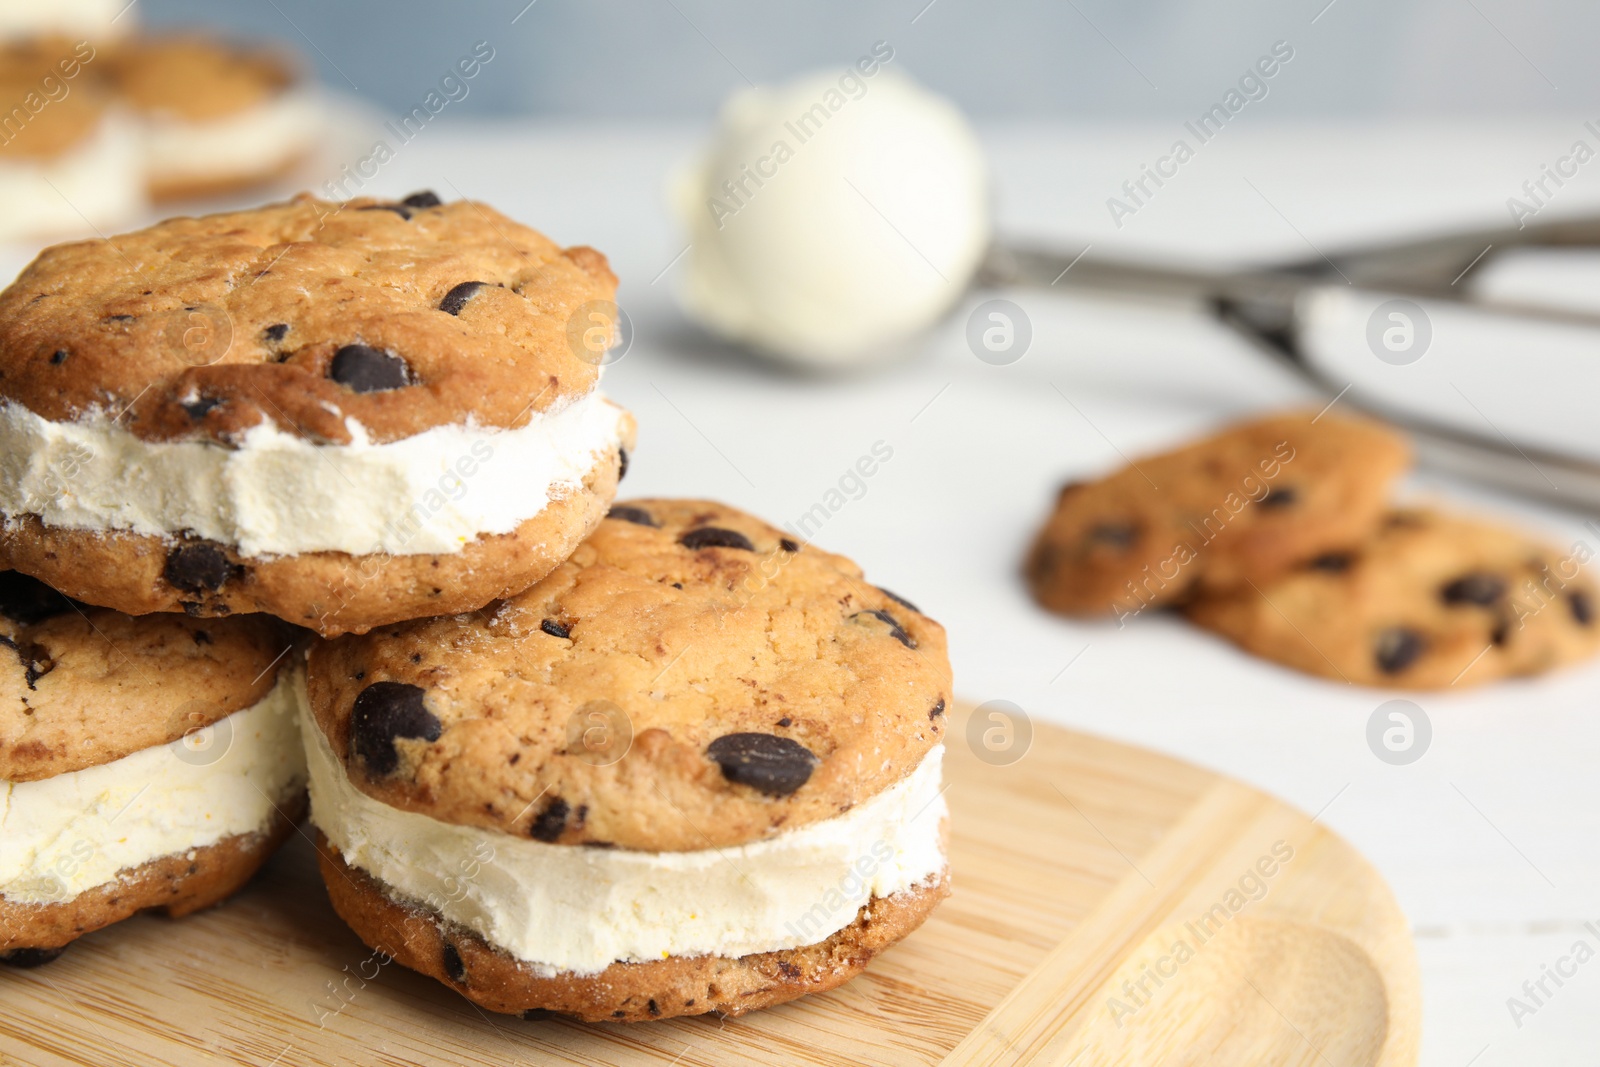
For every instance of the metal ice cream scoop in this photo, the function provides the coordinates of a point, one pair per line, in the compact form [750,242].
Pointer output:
[1338,321]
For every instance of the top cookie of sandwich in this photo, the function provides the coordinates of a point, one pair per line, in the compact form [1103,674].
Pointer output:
[56,114]
[1241,506]
[197,77]
[81,686]
[401,316]
[691,678]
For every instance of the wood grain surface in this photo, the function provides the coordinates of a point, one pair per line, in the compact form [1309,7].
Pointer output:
[1111,906]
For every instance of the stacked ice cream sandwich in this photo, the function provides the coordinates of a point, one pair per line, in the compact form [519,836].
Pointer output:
[614,761]
[96,118]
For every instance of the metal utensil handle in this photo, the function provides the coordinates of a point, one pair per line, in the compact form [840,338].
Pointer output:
[1565,479]
[1039,268]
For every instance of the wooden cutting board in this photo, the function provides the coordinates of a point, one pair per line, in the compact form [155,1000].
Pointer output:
[1111,906]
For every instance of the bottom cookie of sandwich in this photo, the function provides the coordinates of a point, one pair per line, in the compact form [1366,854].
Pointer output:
[177,885]
[623,992]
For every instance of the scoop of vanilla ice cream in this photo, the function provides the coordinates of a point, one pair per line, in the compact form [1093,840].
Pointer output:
[833,217]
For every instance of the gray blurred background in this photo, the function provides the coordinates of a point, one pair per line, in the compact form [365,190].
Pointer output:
[1069,58]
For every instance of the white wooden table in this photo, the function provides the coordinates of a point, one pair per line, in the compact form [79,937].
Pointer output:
[1488,840]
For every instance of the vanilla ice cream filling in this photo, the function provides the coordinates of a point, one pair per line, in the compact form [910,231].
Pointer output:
[570,909]
[278,494]
[64,835]
[257,140]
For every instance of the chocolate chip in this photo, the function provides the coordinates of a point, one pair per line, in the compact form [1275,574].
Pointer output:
[937,710]
[457,298]
[1282,497]
[902,601]
[786,721]
[773,765]
[1479,587]
[201,637]
[34,657]
[652,1007]
[895,630]
[534,1015]
[58,357]
[364,369]
[452,963]
[1332,562]
[1397,648]
[715,537]
[1501,631]
[622,463]
[384,712]
[120,318]
[36,662]
[197,408]
[197,568]
[555,629]
[549,823]
[788,545]
[1114,534]
[26,600]
[425,198]
[30,957]
[1582,607]
[637,516]
[788,970]
[399,209]
[276,332]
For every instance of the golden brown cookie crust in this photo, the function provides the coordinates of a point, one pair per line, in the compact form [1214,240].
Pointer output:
[195,77]
[1242,505]
[176,885]
[623,992]
[1442,601]
[188,310]
[49,105]
[87,686]
[329,592]
[794,644]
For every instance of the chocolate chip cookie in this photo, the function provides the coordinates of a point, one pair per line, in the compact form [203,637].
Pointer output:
[1428,601]
[1242,505]
[696,768]
[341,414]
[149,762]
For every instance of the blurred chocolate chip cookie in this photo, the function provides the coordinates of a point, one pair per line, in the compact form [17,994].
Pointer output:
[1243,505]
[1429,601]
